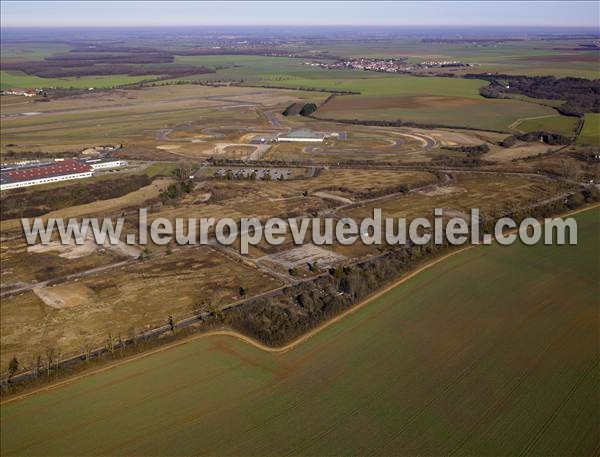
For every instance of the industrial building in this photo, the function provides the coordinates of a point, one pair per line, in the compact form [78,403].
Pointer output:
[104,163]
[34,173]
[43,173]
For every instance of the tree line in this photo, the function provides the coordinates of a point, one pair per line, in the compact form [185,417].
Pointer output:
[580,95]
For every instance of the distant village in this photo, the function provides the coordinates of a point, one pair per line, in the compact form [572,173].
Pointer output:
[388,65]
[23,92]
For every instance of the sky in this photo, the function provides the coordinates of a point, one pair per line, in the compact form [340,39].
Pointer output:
[165,13]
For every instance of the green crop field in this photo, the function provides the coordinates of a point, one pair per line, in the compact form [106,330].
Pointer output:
[391,85]
[442,101]
[482,114]
[492,352]
[590,134]
[563,125]
[10,79]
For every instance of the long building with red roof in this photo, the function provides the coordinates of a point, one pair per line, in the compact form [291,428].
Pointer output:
[43,173]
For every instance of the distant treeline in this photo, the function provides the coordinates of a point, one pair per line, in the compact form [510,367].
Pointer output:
[74,68]
[580,95]
[107,60]
[264,52]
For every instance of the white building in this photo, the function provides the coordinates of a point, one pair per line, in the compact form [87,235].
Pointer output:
[303,135]
[100,164]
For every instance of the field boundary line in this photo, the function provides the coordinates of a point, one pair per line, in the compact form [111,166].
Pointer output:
[280,349]
[519,121]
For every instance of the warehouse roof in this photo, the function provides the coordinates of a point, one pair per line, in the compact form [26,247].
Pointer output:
[43,170]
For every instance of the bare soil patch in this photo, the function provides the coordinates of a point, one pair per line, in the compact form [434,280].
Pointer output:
[441,190]
[304,255]
[64,296]
[168,147]
[75,251]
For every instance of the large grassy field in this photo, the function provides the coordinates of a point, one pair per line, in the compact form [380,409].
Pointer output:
[590,133]
[126,116]
[563,125]
[491,352]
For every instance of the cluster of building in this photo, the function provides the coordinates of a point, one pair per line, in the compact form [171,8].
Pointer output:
[388,65]
[381,65]
[443,63]
[22,92]
[33,173]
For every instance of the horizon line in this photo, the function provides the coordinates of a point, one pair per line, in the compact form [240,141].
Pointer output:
[49,26]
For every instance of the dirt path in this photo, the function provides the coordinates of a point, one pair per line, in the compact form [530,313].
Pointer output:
[79,275]
[261,346]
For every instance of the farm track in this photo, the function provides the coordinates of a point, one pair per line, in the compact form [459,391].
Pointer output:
[259,345]
[515,124]
[79,275]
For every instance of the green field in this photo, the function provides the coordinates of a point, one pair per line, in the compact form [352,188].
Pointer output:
[590,133]
[390,85]
[31,51]
[13,79]
[507,365]
[432,100]
[482,114]
[563,125]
